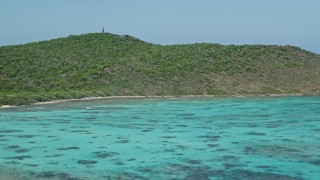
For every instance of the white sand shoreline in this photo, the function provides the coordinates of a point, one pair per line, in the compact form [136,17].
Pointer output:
[133,97]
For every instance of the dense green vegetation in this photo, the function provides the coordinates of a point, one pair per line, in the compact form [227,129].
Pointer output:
[110,65]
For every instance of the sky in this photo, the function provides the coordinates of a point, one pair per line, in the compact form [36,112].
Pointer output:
[276,22]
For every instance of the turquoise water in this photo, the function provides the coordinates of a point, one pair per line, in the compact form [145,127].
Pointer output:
[164,138]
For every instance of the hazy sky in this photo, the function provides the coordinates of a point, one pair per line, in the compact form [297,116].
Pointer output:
[281,22]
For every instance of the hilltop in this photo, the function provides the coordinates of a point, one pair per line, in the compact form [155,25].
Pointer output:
[113,65]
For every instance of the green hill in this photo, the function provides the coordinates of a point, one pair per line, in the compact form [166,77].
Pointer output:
[112,65]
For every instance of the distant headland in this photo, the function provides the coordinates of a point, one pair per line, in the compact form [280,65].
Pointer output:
[105,64]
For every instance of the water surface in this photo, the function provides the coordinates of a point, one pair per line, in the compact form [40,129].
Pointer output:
[163,138]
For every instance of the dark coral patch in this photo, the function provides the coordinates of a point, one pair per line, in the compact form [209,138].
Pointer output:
[191,161]
[256,134]
[20,157]
[25,136]
[181,147]
[52,136]
[43,124]
[120,164]
[68,148]
[213,145]
[55,155]
[147,130]
[222,149]
[63,122]
[102,147]
[80,127]
[211,136]
[168,137]
[315,162]
[154,121]
[169,150]
[87,162]
[12,162]
[31,165]
[103,154]
[80,131]
[22,150]
[53,175]
[182,125]
[9,131]
[123,141]
[13,147]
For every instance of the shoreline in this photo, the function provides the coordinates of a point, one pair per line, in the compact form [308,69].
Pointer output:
[138,97]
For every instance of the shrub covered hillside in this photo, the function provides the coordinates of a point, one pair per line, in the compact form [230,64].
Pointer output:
[112,65]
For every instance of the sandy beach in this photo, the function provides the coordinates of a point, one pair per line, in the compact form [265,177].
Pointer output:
[184,96]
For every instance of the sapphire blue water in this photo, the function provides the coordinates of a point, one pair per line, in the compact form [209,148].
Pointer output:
[163,138]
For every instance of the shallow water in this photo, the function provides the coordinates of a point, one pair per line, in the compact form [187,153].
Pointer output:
[163,138]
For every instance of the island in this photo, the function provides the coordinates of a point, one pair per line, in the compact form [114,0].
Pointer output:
[107,65]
